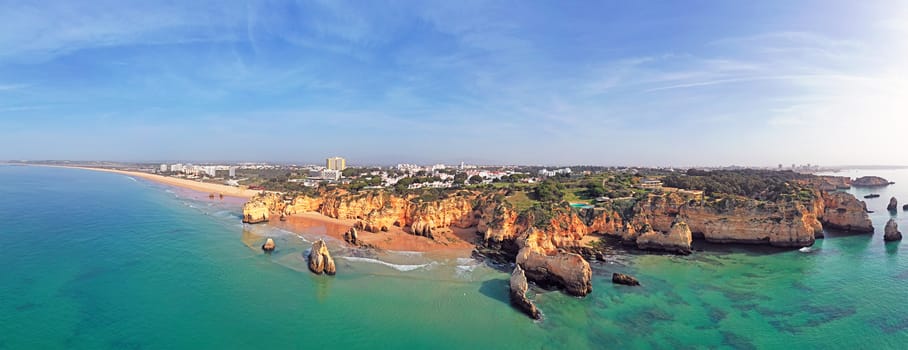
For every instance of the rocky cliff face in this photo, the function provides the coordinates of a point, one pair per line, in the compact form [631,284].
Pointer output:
[842,211]
[677,239]
[259,208]
[547,265]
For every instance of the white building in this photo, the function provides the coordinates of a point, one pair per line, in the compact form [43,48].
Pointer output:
[231,171]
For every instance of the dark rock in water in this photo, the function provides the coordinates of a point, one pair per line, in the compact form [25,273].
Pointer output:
[620,278]
[519,299]
[905,207]
[870,181]
[268,246]
[893,204]
[872,195]
[892,231]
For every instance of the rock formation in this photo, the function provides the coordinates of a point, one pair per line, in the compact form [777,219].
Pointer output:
[351,236]
[620,278]
[891,233]
[870,181]
[269,245]
[677,239]
[893,204]
[259,208]
[519,299]
[905,207]
[320,260]
[844,212]
[546,265]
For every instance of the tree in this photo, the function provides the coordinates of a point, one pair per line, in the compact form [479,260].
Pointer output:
[459,178]
[475,179]
[549,191]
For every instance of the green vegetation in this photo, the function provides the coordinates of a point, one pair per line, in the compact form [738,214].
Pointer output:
[549,191]
[520,201]
[756,184]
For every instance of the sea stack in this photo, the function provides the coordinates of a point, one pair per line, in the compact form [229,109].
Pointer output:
[892,231]
[268,246]
[320,260]
[893,204]
[627,280]
[519,299]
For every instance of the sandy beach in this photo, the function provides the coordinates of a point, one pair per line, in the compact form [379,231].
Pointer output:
[456,243]
[182,183]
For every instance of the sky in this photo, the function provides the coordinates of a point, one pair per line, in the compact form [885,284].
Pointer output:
[643,83]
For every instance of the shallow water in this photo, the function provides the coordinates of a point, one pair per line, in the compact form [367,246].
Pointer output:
[97,260]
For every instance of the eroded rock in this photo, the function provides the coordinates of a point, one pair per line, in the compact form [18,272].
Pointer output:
[320,260]
[627,280]
[519,287]
[891,233]
[677,239]
[269,245]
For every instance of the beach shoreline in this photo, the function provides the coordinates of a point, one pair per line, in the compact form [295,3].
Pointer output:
[203,187]
[454,244]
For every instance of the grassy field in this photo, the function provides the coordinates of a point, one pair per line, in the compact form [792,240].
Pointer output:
[521,201]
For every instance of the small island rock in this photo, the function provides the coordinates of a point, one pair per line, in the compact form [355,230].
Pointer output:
[269,245]
[893,204]
[870,181]
[351,236]
[320,260]
[519,299]
[892,231]
[620,278]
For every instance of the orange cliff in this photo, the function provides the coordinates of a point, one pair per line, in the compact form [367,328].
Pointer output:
[784,223]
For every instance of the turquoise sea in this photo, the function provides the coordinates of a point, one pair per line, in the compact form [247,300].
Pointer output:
[96,260]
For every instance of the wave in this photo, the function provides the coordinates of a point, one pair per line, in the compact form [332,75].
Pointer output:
[405,252]
[132,178]
[403,268]
[806,250]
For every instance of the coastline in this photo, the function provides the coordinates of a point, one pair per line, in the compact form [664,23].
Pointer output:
[176,182]
[454,244]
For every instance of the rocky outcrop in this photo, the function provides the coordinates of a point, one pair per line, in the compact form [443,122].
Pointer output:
[351,236]
[269,245]
[728,220]
[259,208]
[870,181]
[891,233]
[320,260]
[893,204]
[519,287]
[549,266]
[843,211]
[676,240]
[627,280]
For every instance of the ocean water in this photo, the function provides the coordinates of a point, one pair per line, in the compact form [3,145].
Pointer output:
[96,260]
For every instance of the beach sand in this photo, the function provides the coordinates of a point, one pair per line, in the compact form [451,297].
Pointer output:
[205,187]
[456,243]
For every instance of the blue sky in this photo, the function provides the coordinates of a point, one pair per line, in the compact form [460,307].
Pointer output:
[593,82]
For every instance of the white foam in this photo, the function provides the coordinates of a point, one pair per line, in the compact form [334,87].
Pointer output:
[806,250]
[464,261]
[403,268]
[405,252]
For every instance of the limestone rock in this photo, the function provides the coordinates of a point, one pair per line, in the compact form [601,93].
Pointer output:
[351,236]
[870,181]
[549,266]
[269,245]
[893,204]
[519,288]
[320,260]
[891,233]
[620,278]
[259,208]
[845,212]
[677,239]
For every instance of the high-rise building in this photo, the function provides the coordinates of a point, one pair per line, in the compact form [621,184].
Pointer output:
[336,163]
[164,168]
[231,171]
